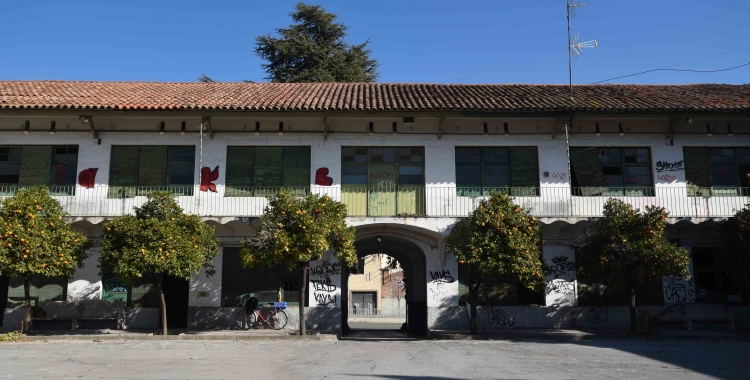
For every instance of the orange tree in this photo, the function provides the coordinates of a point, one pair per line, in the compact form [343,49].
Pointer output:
[159,240]
[736,249]
[35,241]
[626,248]
[498,238]
[295,231]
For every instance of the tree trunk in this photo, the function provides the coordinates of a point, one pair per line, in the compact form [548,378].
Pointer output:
[162,303]
[473,290]
[302,294]
[26,324]
[633,319]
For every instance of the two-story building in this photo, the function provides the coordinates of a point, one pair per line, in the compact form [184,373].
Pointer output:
[408,160]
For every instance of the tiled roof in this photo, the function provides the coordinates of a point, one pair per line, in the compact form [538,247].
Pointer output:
[370,97]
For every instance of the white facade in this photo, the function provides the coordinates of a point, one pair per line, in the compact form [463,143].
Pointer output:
[561,213]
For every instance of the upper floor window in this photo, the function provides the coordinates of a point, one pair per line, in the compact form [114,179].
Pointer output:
[382,166]
[133,168]
[482,169]
[717,171]
[53,166]
[611,171]
[258,170]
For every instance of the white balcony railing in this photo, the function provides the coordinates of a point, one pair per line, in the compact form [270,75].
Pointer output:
[406,201]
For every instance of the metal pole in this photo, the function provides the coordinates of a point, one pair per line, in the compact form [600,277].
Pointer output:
[570,58]
[568,127]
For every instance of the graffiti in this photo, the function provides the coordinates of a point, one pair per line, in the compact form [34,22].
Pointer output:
[326,269]
[324,291]
[87,178]
[207,178]
[444,276]
[61,171]
[438,292]
[559,286]
[383,175]
[664,166]
[322,178]
[667,178]
[561,266]
[497,317]
[598,314]
[560,176]
[677,290]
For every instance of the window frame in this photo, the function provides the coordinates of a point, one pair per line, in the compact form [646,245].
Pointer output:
[397,162]
[482,189]
[624,189]
[67,189]
[136,190]
[253,190]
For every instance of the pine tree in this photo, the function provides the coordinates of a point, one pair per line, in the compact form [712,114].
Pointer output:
[313,49]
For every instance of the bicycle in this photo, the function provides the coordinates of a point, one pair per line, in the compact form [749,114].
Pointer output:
[275,317]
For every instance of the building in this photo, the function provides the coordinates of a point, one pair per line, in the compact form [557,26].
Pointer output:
[409,160]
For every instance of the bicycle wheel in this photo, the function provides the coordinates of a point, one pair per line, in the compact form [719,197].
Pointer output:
[242,320]
[278,319]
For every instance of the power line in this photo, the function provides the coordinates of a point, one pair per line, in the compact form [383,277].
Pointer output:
[514,54]
[669,68]
[682,70]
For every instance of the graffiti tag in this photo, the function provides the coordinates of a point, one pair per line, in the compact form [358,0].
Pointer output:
[667,177]
[598,314]
[664,166]
[498,317]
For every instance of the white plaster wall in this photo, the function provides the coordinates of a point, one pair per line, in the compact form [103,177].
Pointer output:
[86,283]
[561,288]
[679,290]
[211,285]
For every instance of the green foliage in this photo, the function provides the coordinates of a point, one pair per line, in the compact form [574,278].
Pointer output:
[34,239]
[626,248]
[10,336]
[737,239]
[313,49]
[205,79]
[500,238]
[296,230]
[158,239]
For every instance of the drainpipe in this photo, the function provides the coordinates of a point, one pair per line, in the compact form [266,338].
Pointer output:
[569,128]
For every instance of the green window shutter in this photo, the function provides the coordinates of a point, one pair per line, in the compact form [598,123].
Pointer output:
[240,170]
[36,166]
[123,167]
[152,166]
[524,170]
[588,171]
[297,166]
[463,283]
[269,166]
[697,170]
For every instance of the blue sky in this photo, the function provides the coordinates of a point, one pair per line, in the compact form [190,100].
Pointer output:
[433,41]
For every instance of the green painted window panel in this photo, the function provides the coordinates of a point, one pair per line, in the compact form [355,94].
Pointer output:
[588,171]
[152,166]
[36,166]
[43,289]
[64,165]
[481,169]
[297,166]
[269,166]
[240,166]
[123,170]
[524,168]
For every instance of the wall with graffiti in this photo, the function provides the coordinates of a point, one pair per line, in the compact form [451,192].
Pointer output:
[560,289]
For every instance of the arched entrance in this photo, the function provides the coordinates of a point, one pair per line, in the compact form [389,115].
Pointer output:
[412,260]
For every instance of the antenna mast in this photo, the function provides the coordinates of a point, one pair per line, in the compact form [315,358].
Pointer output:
[574,47]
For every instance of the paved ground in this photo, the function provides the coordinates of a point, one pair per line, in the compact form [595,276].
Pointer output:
[377,359]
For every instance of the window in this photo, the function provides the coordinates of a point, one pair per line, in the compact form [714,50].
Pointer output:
[717,278]
[239,283]
[53,166]
[113,290]
[144,294]
[256,171]
[611,171]
[383,181]
[717,171]
[43,289]
[482,169]
[359,266]
[134,170]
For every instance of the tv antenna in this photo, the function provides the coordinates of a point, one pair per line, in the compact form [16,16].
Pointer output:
[575,48]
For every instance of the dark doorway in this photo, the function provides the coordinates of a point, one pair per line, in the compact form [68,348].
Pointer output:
[412,260]
[176,295]
[4,282]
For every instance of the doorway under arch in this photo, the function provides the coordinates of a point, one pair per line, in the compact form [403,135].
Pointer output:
[413,262]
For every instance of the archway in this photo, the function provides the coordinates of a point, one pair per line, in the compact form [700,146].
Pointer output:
[412,260]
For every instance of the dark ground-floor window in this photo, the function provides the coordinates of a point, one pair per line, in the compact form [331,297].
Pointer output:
[42,289]
[267,285]
[498,291]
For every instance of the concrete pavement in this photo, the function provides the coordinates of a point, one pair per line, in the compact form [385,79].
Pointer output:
[421,359]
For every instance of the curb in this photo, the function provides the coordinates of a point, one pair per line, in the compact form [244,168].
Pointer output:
[236,338]
[585,337]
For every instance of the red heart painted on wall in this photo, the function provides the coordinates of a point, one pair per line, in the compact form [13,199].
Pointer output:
[322,178]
